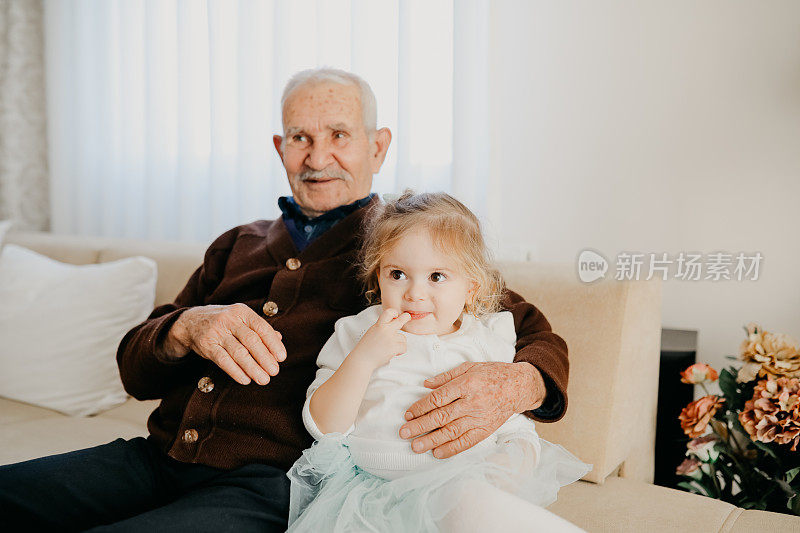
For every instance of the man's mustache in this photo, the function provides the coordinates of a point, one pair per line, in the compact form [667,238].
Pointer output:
[323,174]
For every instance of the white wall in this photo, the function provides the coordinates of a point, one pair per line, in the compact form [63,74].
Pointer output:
[654,127]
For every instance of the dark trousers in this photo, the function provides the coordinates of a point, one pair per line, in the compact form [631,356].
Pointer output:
[132,486]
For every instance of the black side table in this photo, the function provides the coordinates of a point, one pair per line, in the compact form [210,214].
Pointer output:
[678,351]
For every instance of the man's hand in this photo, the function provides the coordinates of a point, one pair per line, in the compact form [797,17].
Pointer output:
[469,403]
[234,337]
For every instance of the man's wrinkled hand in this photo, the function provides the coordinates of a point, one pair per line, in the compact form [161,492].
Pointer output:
[234,337]
[469,403]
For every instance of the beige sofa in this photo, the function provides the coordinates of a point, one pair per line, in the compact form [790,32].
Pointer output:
[612,329]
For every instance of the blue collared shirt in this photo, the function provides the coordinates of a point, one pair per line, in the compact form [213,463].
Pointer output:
[304,230]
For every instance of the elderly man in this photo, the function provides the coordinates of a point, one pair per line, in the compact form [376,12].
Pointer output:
[232,357]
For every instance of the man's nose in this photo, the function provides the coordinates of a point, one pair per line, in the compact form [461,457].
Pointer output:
[319,156]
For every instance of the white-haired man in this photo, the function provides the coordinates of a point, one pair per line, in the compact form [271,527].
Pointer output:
[232,357]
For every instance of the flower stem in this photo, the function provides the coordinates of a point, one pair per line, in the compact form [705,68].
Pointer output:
[732,439]
[743,472]
[716,480]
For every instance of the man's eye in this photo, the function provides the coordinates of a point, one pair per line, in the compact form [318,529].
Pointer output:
[397,274]
[299,138]
[436,277]
[339,135]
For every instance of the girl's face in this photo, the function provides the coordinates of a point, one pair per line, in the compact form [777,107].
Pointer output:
[415,277]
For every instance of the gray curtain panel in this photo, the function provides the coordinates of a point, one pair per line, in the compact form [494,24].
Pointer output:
[23,133]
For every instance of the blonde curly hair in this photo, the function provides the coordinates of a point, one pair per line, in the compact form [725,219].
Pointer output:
[454,229]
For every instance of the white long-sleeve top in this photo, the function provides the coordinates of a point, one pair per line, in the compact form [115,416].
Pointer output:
[373,439]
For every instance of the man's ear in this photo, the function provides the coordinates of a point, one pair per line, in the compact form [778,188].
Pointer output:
[277,140]
[380,145]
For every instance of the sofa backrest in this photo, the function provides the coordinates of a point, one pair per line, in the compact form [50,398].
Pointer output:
[612,330]
[175,261]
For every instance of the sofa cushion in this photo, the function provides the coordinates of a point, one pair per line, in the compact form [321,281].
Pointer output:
[28,431]
[625,505]
[61,325]
[29,439]
[742,521]
[132,411]
[638,506]
[13,411]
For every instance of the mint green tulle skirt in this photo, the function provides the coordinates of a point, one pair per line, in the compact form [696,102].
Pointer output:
[330,493]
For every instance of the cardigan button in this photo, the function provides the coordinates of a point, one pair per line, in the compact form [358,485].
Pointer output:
[293,263]
[205,384]
[270,309]
[190,436]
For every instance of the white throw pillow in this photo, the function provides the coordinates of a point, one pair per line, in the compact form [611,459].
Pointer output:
[61,324]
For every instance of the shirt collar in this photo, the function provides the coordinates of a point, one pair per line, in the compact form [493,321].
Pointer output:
[304,230]
[290,209]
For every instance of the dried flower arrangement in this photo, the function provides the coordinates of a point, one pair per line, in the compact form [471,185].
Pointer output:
[744,442]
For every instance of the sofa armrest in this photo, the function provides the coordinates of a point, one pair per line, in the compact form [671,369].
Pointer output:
[612,329]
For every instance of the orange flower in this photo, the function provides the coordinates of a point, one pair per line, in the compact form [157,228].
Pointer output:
[773,415]
[696,416]
[698,373]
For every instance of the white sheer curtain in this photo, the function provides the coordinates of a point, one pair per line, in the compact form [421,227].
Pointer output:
[161,112]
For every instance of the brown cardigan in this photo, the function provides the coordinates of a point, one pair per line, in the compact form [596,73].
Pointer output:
[231,424]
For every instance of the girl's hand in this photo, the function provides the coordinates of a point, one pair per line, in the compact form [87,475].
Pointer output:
[383,340]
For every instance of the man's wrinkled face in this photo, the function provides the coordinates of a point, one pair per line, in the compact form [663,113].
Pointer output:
[328,155]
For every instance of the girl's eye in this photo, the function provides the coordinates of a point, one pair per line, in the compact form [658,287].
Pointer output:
[436,277]
[397,274]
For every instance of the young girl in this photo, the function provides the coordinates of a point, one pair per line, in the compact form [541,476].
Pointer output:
[425,261]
